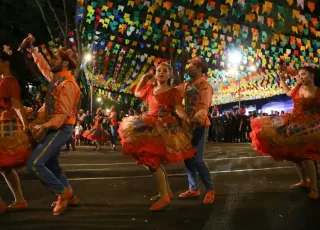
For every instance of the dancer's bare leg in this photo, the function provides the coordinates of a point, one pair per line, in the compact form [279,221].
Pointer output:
[311,172]
[302,174]
[167,186]
[164,200]
[161,182]
[98,146]
[13,181]
[167,180]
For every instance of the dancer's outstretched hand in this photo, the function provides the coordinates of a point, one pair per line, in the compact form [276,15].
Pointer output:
[282,75]
[26,43]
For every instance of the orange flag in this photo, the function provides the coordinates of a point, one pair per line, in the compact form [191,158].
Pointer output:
[311,6]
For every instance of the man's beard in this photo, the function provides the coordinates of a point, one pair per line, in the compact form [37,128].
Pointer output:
[56,68]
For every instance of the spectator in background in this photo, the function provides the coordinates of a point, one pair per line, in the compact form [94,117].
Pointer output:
[214,129]
[227,125]
[78,129]
[243,110]
[81,117]
[113,127]
[87,125]
[121,116]
[131,112]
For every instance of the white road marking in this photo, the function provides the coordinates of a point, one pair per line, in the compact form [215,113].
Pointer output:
[235,158]
[180,174]
[108,164]
[207,159]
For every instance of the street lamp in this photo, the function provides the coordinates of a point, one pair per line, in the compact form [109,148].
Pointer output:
[235,57]
[88,57]
[252,68]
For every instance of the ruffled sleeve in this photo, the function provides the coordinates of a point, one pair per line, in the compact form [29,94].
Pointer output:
[146,92]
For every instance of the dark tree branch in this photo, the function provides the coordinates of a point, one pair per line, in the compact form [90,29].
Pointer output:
[45,20]
[57,19]
[66,18]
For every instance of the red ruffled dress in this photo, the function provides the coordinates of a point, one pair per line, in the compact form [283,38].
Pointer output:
[290,136]
[156,138]
[97,133]
[15,143]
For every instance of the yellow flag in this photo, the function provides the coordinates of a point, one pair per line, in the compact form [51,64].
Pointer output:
[296,14]
[280,17]
[131,3]
[290,2]
[198,2]
[224,9]
[294,29]
[230,2]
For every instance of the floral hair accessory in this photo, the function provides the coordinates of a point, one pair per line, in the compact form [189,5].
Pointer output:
[312,65]
[7,50]
[165,63]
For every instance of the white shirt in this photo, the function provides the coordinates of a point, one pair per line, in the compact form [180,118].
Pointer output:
[78,130]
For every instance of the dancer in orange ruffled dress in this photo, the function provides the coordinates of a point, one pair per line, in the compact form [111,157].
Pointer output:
[294,137]
[15,142]
[97,133]
[157,138]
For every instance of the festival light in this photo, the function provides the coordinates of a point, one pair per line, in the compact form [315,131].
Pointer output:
[232,72]
[99,99]
[253,68]
[235,57]
[88,57]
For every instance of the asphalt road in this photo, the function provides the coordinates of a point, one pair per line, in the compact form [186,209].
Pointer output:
[252,193]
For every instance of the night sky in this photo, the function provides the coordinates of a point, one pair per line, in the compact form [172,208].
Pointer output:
[18,18]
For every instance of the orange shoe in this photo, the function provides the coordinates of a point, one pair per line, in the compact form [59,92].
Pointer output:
[17,206]
[190,194]
[157,197]
[161,204]
[301,184]
[3,208]
[62,202]
[209,197]
[314,195]
[74,201]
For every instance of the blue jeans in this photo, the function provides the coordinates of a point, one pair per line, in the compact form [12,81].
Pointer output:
[44,160]
[215,133]
[196,164]
[114,133]
[69,142]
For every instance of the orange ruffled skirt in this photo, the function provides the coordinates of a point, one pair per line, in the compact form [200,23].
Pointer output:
[15,144]
[288,137]
[97,133]
[152,141]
